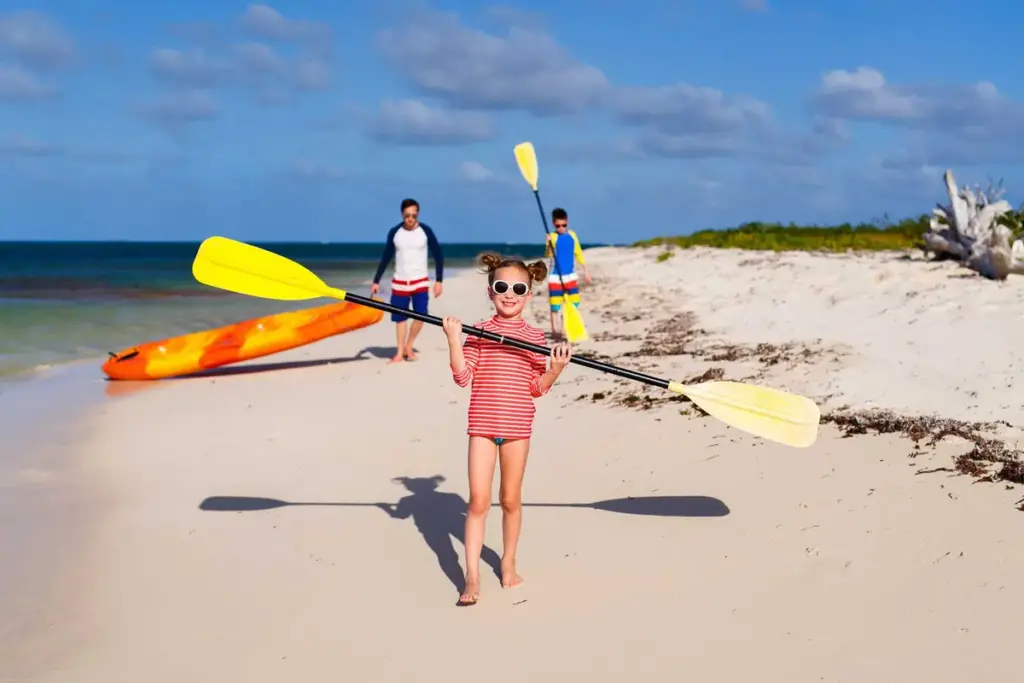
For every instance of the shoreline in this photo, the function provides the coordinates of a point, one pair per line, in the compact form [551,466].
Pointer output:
[658,510]
[47,488]
[59,524]
[33,371]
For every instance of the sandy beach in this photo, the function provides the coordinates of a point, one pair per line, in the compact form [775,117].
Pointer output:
[240,525]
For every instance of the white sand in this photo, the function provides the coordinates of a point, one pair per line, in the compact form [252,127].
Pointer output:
[918,337]
[833,563]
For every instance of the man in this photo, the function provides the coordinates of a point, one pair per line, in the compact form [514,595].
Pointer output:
[563,247]
[409,243]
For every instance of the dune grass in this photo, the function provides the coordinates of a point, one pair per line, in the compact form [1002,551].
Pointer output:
[776,237]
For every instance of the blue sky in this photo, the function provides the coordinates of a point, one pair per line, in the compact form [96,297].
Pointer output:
[301,121]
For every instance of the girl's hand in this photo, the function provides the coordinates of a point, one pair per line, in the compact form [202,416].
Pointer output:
[452,327]
[561,354]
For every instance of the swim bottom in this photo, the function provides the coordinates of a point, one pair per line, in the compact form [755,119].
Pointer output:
[557,295]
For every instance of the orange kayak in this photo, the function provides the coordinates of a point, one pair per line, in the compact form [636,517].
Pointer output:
[242,341]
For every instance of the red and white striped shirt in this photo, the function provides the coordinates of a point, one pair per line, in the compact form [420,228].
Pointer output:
[505,380]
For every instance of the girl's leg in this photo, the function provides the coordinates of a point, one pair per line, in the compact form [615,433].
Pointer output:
[482,456]
[513,466]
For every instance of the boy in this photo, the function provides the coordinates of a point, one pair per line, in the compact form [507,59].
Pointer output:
[563,247]
[409,243]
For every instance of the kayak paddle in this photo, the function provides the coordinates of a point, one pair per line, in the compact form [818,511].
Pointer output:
[246,269]
[572,320]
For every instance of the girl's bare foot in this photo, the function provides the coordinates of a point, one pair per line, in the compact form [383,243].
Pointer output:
[410,354]
[471,593]
[509,577]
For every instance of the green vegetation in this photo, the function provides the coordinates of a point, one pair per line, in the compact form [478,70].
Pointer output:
[1014,220]
[775,237]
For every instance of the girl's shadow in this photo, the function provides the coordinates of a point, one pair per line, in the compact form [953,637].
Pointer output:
[438,516]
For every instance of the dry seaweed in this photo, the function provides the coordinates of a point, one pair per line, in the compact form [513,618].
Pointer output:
[594,355]
[614,336]
[989,460]
[676,336]
[765,353]
[670,337]
[643,400]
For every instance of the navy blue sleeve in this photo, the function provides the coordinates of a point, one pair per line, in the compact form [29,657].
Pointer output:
[389,253]
[435,251]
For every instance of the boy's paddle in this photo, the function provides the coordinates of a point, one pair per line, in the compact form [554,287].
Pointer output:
[572,320]
[245,269]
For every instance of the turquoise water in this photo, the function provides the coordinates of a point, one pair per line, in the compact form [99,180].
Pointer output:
[68,301]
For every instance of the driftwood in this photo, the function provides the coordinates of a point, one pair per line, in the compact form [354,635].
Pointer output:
[970,229]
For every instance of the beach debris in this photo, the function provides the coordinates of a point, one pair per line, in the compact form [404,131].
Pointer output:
[989,460]
[670,337]
[790,353]
[975,230]
[645,399]
[679,336]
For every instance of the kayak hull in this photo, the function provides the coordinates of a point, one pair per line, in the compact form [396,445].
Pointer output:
[197,351]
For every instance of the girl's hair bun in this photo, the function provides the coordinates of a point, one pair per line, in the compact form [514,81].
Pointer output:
[490,263]
[538,270]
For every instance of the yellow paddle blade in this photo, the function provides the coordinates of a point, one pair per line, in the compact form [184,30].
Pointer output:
[244,269]
[572,321]
[526,157]
[769,413]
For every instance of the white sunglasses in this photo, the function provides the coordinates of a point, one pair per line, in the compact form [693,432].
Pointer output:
[518,288]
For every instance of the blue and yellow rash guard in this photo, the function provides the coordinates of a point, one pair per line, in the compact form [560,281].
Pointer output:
[566,250]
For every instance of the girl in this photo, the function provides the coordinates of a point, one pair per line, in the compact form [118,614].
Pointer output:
[505,380]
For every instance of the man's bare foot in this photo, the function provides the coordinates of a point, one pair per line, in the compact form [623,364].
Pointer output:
[399,358]
[410,354]
[471,593]
[509,577]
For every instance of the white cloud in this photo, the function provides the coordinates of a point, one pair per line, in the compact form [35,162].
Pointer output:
[475,172]
[312,74]
[179,107]
[945,123]
[411,122]
[526,70]
[259,58]
[682,108]
[192,67]
[304,169]
[36,40]
[263,21]
[19,85]
[27,147]
[864,94]
[270,76]
[468,68]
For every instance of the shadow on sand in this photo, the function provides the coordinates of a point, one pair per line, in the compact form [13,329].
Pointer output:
[116,388]
[440,516]
[228,370]
[381,352]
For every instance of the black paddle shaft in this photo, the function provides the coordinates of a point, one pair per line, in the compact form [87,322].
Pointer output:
[510,341]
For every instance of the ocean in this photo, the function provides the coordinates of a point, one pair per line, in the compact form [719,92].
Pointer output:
[69,301]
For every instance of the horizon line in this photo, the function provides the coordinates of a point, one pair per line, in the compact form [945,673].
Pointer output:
[319,242]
